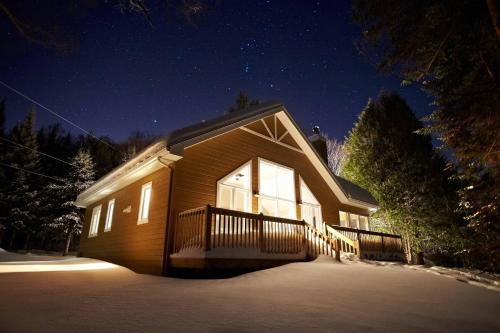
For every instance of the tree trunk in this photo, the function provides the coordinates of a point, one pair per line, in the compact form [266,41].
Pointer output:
[68,242]
[27,242]
[42,243]
[420,258]
[11,243]
[495,19]
[407,246]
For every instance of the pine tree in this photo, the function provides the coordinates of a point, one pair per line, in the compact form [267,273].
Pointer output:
[64,193]
[242,102]
[404,173]
[3,175]
[23,196]
[451,50]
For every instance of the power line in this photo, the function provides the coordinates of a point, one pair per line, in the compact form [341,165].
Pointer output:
[32,172]
[53,113]
[36,151]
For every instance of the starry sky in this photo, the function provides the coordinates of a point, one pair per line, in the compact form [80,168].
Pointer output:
[125,75]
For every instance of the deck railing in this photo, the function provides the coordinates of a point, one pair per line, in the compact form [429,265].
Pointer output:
[361,242]
[210,227]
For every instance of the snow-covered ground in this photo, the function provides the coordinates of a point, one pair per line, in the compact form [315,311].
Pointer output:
[301,297]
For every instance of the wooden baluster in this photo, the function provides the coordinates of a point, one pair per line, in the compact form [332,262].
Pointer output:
[208,228]
[242,232]
[260,222]
[233,231]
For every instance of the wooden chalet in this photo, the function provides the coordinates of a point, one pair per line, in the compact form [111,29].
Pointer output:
[244,190]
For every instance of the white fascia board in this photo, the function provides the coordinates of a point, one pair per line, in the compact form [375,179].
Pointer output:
[140,166]
[317,162]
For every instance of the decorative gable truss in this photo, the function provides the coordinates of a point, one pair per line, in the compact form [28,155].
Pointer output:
[271,128]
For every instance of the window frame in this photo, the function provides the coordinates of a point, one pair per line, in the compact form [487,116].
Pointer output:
[233,188]
[109,215]
[140,218]
[94,221]
[277,199]
[358,220]
[310,205]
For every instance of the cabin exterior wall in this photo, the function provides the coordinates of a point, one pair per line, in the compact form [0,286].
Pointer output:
[139,247]
[203,164]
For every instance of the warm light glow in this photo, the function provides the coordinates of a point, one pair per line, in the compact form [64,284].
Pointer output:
[310,208]
[145,200]
[94,222]
[109,215]
[276,190]
[234,190]
[53,266]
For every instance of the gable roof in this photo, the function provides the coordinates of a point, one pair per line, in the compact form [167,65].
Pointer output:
[171,148]
[189,135]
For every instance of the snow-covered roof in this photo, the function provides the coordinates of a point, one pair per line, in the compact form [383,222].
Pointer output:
[171,148]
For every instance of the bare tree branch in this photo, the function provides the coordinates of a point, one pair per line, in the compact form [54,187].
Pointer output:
[336,155]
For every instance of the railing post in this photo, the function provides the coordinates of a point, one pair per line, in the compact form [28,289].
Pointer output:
[208,228]
[337,249]
[262,245]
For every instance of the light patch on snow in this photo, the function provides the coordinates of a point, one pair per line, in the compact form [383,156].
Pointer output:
[73,264]
[318,296]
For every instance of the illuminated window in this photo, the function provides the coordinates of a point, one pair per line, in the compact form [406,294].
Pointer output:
[94,222]
[344,219]
[353,221]
[363,222]
[109,215]
[145,201]
[276,190]
[234,191]
[310,207]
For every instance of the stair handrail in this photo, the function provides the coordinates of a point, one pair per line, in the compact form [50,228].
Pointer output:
[338,235]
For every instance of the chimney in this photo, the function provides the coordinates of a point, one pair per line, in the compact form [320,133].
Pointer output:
[319,143]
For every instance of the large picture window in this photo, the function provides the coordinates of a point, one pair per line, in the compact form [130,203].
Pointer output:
[276,190]
[234,191]
[310,207]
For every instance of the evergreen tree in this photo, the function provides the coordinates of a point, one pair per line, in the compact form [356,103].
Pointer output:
[451,50]
[3,175]
[404,173]
[23,198]
[103,154]
[70,219]
[242,102]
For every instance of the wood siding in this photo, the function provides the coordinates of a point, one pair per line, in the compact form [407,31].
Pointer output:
[138,247]
[197,173]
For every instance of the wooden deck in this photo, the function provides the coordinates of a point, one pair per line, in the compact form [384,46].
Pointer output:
[210,237]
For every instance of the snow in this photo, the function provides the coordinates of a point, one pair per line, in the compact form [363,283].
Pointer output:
[321,296]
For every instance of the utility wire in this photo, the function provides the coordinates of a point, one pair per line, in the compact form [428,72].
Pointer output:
[53,113]
[32,172]
[36,151]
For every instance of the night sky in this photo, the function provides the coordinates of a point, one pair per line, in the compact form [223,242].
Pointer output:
[125,75]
